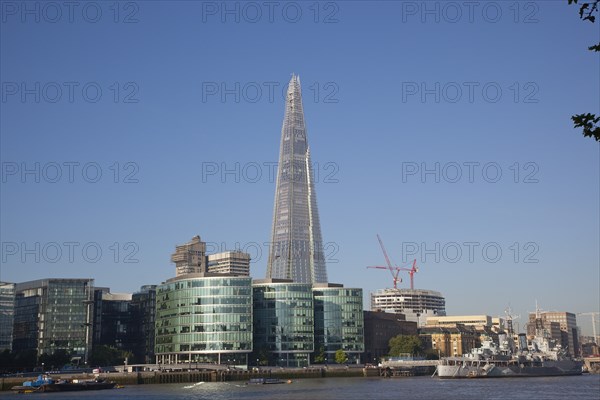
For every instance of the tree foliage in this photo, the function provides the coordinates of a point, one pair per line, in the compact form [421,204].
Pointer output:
[25,360]
[107,355]
[55,360]
[341,357]
[587,121]
[320,356]
[405,344]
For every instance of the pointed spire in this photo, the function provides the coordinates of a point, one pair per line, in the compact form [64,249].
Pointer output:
[296,247]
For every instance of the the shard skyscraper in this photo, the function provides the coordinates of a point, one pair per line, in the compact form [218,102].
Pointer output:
[296,245]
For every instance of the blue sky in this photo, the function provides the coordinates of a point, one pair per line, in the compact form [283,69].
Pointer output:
[388,87]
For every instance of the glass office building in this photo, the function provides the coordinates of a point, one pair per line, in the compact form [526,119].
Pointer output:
[54,314]
[339,321]
[283,322]
[7,311]
[143,309]
[204,318]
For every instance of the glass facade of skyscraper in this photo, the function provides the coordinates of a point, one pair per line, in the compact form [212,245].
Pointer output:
[296,251]
[339,322]
[283,322]
[204,318]
[54,314]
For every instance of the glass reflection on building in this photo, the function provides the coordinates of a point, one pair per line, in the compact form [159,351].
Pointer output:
[204,318]
[339,321]
[283,322]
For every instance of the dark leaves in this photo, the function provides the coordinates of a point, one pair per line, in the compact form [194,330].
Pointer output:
[589,123]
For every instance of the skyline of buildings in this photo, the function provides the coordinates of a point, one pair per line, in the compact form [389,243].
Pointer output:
[236,320]
[212,311]
[296,250]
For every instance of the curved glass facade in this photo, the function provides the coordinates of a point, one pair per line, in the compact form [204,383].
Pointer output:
[339,322]
[206,319]
[283,323]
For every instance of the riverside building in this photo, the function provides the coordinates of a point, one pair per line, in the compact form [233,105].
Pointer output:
[54,314]
[283,322]
[339,321]
[204,318]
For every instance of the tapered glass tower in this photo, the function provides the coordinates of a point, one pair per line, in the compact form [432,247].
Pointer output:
[296,251]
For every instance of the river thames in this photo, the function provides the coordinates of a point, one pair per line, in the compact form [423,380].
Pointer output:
[426,388]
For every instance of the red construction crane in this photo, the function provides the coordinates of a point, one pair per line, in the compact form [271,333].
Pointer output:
[411,272]
[395,271]
[394,275]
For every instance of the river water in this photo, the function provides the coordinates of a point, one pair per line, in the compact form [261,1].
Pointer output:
[426,388]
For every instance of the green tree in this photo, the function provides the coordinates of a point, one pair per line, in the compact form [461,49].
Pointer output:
[260,356]
[341,357]
[431,354]
[405,344]
[57,359]
[24,360]
[107,355]
[320,356]
[588,121]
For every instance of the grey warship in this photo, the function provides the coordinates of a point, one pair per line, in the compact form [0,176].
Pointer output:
[539,357]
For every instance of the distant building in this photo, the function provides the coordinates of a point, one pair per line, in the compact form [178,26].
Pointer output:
[7,311]
[475,321]
[190,258]
[502,325]
[568,328]
[339,321]
[283,322]
[450,341]
[380,327]
[229,262]
[589,347]
[143,309]
[204,318]
[549,329]
[415,304]
[112,323]
[464,328]
[54,314]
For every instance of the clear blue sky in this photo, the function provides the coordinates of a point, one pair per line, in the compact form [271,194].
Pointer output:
[366,125]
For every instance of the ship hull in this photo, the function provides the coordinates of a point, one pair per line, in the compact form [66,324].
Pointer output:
[557,368]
